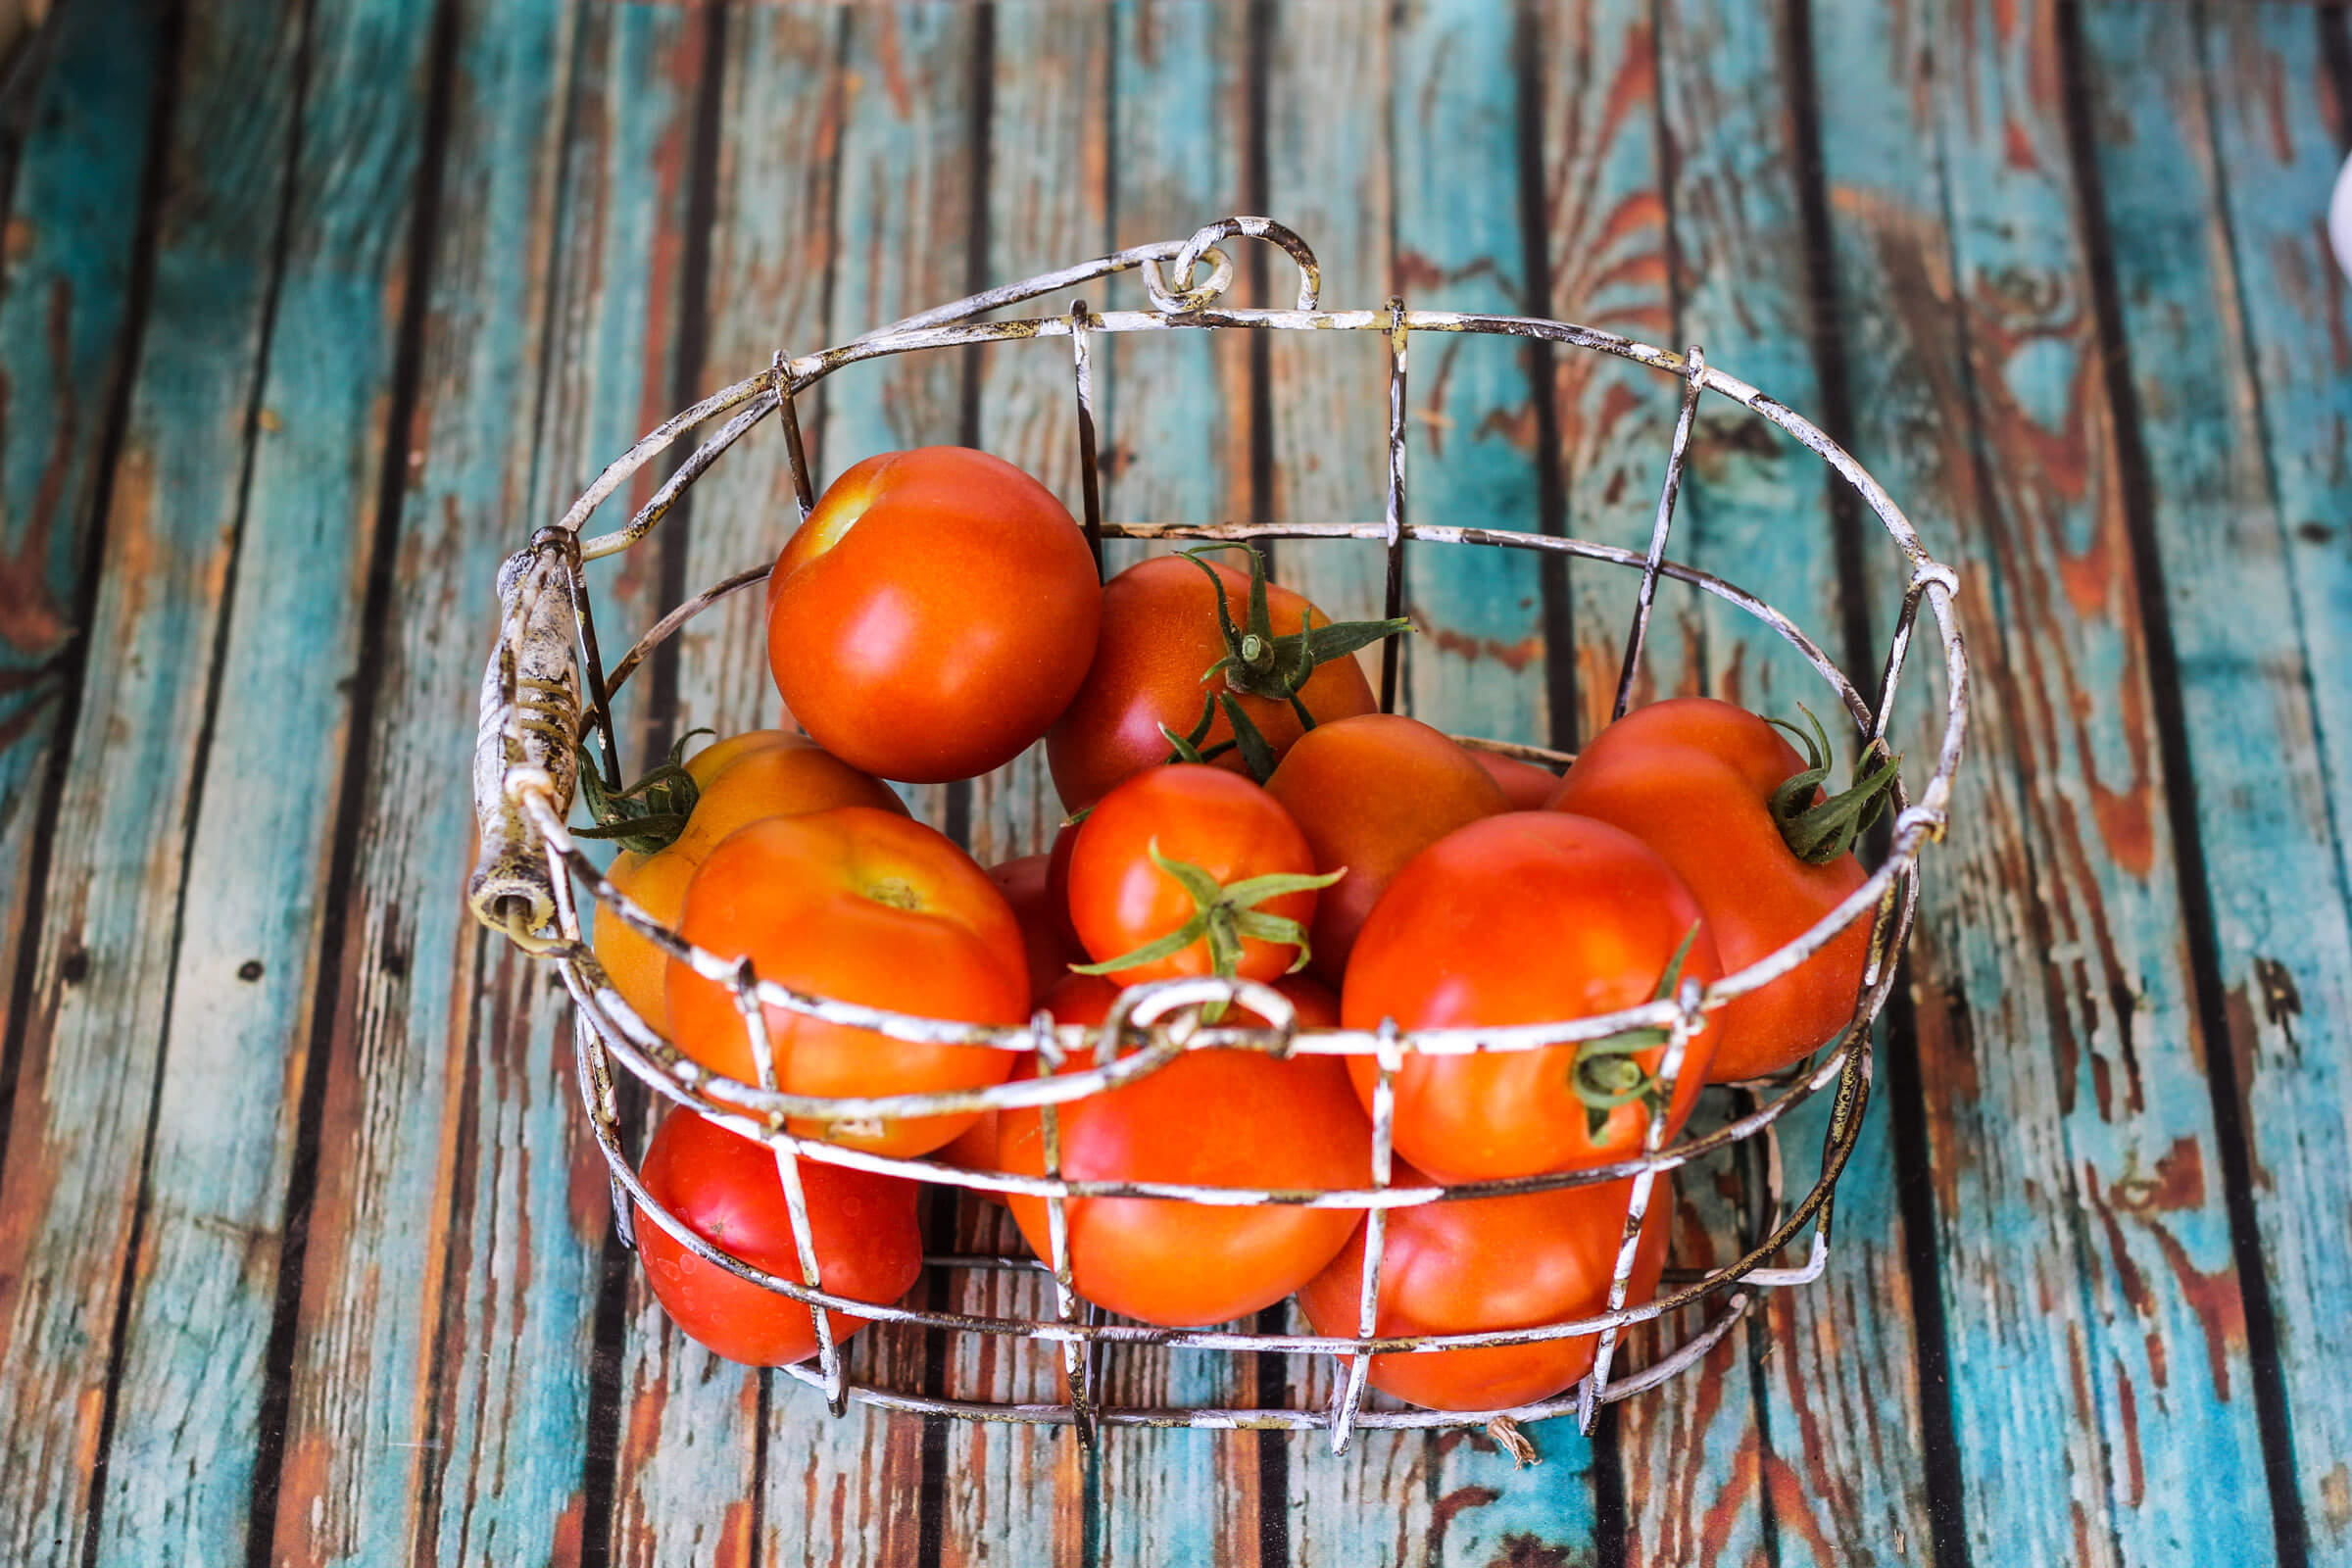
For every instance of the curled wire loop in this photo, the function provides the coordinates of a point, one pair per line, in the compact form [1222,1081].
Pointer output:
[546,690]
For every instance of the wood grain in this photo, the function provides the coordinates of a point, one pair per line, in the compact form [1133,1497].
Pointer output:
[439,1046]
[88,1075]
[243,981]
[2223,150]
[65,322]
[2077,1314]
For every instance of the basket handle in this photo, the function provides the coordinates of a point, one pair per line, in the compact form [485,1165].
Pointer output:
[527,735]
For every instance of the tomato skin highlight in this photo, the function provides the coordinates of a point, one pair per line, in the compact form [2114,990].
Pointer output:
[861,906]
[727,1191]
[1692,778]
[1490,1263]
[1214,1118]
[1369,793]
[1528,917]
[934,615]
[1217,820]
[742,778]
[1527,786]
[1159,636]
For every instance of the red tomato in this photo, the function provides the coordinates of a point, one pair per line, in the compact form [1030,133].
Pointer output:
[761,772]
[1370,792]
[1527,786]
[1159,635]
[861,906]
[1693,779]
[1230,829]
[1491,1264]
[1028,886]
[934,615]
[1211,1118]
[726,1191]
[1531,917]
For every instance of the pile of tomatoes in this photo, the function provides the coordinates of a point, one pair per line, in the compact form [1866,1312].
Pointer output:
[1238,808]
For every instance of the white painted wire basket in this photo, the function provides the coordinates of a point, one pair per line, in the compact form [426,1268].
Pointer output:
[546,690]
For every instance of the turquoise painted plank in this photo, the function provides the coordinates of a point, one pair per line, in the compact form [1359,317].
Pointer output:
[89,1073]
[1175,408]
[1475,663]
[686,1482]
[902,204]
[1327,158]
[2057,1040]
[244,978]
[1607,249]
[2228,293]
[65,317]
[530,1212]
[1174,426]
[399,1444]
[1820,1453]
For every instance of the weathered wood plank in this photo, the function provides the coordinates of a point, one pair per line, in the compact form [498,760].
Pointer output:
[528,1215]
[1475,663]
[393,1452]
[1804,1454]
[66,320]
[243,982]
[87,1078]
[2217,148]
[686,1484]
[1607,255]
[2059,1049]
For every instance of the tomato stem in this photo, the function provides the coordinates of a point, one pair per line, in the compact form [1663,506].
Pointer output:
[1224,914]
[1607,1075]
[1259,663]
[649,816]
[1819,832]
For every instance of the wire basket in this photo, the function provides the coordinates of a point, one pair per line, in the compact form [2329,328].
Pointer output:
[546,690]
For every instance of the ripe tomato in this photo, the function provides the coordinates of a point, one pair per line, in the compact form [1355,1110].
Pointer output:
[1160,635]
[1491,1264]
[861,906]
[727,1192]
[1042,904]
[934,615]
[1527,786]
[1211,1118]
[1223,834]
[1370,792]
[1694,780]
[1529,917]
[761,772]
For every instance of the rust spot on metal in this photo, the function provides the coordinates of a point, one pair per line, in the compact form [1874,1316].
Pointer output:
[1514,656]
[2135,1485]
[1792,1510]
[1521,1550]
[563,1547]
[302,1503]
[2180,1183]
[733,1548]
[1441,1513]
[2017,148]
[2281,998]
[2128,1277]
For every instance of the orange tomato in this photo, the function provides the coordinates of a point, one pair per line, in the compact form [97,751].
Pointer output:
[1527,786]
[1370,792]
[861,906]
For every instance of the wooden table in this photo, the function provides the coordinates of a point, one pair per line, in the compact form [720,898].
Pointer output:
[313,312]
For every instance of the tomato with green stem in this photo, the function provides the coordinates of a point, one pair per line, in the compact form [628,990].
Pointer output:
[861,906]
[1188,870]
[1529,917]
[1726,800]
[727,1190]
[1209,1118]
[1483,1265]
[1189,645]
[669,820]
